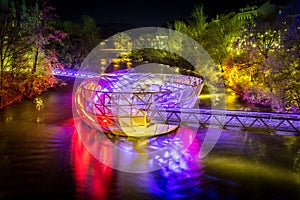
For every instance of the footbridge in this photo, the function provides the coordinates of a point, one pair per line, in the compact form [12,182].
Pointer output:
[280,123]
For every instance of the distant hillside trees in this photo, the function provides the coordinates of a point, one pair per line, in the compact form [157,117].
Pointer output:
[81,39]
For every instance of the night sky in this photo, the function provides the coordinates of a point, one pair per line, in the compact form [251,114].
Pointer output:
[143,13]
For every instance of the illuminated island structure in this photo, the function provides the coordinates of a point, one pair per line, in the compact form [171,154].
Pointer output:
[127,103]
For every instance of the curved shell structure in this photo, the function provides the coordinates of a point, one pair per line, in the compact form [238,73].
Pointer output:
[135,104]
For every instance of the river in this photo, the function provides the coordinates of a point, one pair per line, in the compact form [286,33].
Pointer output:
[41,156]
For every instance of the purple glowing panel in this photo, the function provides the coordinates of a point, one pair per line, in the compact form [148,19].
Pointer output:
[122,103]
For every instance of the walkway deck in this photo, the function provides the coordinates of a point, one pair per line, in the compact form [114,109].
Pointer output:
[229,119]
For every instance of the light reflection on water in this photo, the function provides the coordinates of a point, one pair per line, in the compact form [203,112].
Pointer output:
[46,159]
[180,179]
[233,102]
[136,154]
[242,165]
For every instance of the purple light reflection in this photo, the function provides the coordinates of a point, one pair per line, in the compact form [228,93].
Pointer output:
[182,178]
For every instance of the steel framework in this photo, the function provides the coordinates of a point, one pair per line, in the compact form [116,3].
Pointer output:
[125,103]
[226,119]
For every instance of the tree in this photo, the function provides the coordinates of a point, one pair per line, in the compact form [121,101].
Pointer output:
[283,80]
[26,68]
[13,45]
[266,62]
[261,36]
[81,39]
[289,21]
[41,18]
[194,26]
[220,36]
[198,24]
[89,34]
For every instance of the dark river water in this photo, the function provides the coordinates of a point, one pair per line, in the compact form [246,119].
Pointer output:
[42,157]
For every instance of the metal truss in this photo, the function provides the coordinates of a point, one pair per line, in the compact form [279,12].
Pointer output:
[227,119]
[122,101]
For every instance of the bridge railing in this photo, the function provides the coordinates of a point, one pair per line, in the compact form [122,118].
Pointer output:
[228,119]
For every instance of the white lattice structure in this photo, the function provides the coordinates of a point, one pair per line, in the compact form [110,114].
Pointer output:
[123,103]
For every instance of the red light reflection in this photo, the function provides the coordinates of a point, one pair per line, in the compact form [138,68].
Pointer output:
[92,178]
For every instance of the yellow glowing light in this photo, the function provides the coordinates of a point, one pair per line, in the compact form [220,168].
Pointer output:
[239,168]
[103,61]
[39,103]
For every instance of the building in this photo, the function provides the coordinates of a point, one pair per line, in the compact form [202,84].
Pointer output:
[266,10]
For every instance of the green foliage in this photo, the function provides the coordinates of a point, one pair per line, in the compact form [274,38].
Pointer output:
[219,38]
[81,39]
[195,26]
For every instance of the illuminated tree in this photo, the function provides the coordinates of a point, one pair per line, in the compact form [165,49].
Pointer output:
[199,29]
[261,36]
[219,38]
[198,24]
[267,53]
[41,19]
[194,27]
[180,26]
[283,80]
[26,68]
[13,46]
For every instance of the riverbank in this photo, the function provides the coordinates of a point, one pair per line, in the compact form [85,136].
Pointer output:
[16,89]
